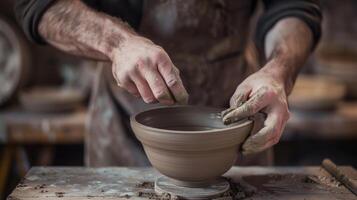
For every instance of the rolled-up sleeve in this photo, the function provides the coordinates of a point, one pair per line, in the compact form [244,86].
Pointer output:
[28,14]
[308,11]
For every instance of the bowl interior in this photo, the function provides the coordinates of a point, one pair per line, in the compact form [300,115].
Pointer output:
[183,118]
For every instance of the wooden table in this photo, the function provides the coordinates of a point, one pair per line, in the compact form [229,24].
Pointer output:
[288,183]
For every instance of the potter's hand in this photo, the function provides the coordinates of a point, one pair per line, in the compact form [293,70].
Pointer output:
[264,92]
[287,46]
[144,69]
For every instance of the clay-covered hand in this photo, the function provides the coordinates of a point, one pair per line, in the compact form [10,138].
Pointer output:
[145,70]
[260,92]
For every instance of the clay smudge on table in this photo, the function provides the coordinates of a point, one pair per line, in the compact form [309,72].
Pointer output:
[59,194]
[323,180]
[146,189]
[272,185]
[145,184]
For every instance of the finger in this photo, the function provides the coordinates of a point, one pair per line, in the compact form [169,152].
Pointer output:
[236,101]
[240,96]
[267,136]
[258,101]
[172,79]
[143,88]
[125,83]
[130,87]
[226,111]
[156,84]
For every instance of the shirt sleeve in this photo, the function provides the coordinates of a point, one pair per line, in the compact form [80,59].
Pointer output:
[29,12]
[308,11]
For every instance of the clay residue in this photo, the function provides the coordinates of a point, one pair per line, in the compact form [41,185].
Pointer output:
[12,198]
[145,185]
[323,180]
[41,186]
[236,191]
[21,184]
[153,195]
[271,186]
[59,194]
[146,190]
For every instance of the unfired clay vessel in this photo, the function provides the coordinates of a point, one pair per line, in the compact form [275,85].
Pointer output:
[189,144]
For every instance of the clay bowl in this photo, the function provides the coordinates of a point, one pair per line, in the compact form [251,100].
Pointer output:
[189,144]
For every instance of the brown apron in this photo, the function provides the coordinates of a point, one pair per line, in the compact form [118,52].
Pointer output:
[205,40]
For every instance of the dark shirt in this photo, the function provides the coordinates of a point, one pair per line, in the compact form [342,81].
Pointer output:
[29,13]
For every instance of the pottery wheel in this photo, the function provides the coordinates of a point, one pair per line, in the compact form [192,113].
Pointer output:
[215,189]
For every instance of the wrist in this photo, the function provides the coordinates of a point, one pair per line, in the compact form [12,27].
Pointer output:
[115,34]
[281,72]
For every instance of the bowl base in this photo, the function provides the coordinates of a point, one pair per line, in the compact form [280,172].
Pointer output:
[214,189]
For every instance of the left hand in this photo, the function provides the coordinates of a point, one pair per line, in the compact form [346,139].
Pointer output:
[263,91]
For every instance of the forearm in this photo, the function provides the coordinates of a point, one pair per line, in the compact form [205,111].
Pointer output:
[77,29]
[287,46]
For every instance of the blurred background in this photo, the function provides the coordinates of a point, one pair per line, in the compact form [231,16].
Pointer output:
[44,96]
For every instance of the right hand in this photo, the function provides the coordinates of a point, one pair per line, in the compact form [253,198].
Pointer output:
[145,70]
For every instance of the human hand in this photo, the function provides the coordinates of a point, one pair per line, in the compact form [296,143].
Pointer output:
[145,70]
[264,92]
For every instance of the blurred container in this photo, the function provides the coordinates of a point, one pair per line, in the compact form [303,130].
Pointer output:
[341,123]
[341,64]
[15,60]
[51,99]
[313,92]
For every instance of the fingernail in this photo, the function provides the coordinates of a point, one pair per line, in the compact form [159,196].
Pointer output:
[149,100]
[227,121]
[182,98]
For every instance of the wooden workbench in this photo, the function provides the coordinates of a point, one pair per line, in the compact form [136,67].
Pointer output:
[288,183]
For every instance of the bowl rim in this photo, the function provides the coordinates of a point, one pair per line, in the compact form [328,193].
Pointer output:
[133,121]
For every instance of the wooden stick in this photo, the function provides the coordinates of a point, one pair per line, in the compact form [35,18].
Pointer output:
[5,165]
[330,167]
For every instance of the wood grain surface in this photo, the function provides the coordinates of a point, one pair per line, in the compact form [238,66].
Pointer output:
[79,183]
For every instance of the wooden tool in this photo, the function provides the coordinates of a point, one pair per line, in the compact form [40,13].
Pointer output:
[331,167]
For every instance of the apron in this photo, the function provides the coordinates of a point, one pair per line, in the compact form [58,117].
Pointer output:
[206,42]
